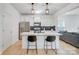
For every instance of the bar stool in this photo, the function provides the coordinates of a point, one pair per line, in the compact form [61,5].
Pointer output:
[49,39]
[32,39]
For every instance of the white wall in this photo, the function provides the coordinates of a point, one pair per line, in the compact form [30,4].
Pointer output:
[9,18]
[46,20]
[1,27]
[71,23]
[69,15]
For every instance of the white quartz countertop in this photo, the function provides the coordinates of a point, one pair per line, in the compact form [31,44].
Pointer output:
[42,33]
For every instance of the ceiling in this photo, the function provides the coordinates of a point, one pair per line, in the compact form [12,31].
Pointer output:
[39,8]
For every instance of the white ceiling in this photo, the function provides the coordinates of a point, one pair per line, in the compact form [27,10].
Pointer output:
[73,12]
[26,8]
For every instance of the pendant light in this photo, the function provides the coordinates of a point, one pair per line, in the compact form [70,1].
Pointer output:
[33,12]
[47,10]
[32,8]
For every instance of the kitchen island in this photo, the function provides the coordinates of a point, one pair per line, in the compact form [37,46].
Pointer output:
[40,38]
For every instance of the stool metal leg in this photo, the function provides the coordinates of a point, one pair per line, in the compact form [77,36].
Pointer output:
[51,45]
[27,47]
[46,47]
[55,47]
[36,48]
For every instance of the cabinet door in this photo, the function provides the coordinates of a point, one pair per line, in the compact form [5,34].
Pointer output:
[24,26]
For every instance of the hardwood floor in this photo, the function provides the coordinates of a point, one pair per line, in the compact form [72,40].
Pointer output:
[65,49]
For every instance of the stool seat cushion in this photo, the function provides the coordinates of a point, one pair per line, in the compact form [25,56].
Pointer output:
[31,38]
[50,38]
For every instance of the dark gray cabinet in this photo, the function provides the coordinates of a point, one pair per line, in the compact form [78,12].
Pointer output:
[71,38]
